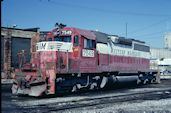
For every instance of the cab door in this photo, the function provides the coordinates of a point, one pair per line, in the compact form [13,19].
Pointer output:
[76,48]
[88,56]
[75,62]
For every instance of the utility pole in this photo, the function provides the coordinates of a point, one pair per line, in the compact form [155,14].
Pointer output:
[126,29]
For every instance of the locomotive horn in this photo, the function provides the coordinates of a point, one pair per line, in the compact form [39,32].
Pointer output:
[60,26]
[56,24]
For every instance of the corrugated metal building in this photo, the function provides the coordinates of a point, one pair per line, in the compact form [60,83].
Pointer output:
[167,41]
[158,53]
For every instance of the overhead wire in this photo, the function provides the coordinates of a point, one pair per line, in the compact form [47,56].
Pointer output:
[121,13]
[150,34]
[148,26]
[107,10]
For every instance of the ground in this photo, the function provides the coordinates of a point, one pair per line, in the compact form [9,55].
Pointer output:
[127,98]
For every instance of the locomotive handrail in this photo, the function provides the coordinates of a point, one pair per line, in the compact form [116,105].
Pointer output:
[21,60]
[67,67]
[33,52]
[59,60]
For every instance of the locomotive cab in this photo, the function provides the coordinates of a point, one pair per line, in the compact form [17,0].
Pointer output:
[67,47]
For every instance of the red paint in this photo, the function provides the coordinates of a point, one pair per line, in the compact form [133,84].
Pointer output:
[51,82]
[99,63]
[52,63]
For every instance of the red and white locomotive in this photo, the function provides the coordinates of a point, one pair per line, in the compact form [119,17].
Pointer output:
[73,59]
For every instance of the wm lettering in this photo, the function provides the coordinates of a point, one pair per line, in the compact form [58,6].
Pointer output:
[43,46]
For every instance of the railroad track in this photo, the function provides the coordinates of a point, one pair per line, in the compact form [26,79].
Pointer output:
[60,106]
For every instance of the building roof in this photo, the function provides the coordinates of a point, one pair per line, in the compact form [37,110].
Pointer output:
[28,29]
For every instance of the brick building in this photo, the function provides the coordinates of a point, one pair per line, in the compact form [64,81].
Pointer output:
[14,41]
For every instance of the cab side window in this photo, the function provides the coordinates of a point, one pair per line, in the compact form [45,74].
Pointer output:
[89,44]
[49,39]
[76,40]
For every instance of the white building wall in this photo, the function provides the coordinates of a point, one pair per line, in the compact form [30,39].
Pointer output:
[157,53]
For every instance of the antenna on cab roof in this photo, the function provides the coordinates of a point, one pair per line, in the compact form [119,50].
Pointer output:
[60,26]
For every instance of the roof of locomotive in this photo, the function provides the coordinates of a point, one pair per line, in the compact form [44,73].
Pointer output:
[86,33]
[101,37]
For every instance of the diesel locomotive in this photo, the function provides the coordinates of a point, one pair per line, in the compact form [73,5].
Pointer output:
[73,59]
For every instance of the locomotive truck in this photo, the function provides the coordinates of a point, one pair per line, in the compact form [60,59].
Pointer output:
[73,59]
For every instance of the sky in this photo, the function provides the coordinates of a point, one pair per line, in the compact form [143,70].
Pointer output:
[145,20]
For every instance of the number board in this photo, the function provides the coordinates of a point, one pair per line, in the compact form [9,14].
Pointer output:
[66,32]
[87,53]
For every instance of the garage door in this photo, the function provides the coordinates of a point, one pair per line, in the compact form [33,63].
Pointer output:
[19,44]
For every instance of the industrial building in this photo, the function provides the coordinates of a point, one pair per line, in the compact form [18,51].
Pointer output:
[162,53]
[159,53]
[161,57]
[167,41]
[13,41]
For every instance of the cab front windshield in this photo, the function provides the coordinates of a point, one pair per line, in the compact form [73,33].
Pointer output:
[63,38]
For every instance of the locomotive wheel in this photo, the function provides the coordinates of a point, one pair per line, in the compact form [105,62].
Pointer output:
[145,81]
[157,78]
[63,90]
[153,80]
[103,82]
[93,86]
[74,89]
[139,81]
